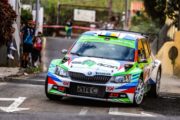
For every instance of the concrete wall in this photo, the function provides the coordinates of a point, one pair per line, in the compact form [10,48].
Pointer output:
[163,55]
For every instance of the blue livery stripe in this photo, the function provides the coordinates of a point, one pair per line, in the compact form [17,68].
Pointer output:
[108,34]
[129,85]
[135,77]
[128,37]
[134,80]
[136,74]
[53,77]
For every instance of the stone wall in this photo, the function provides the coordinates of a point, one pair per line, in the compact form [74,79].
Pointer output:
[167,65]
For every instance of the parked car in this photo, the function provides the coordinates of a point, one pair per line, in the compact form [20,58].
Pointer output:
[114,66]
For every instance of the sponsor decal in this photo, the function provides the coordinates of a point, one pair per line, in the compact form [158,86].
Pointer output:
[89,63]
[109,66]
[76,62]
[105,74]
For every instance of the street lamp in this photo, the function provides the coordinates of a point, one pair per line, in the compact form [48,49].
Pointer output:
[37,16]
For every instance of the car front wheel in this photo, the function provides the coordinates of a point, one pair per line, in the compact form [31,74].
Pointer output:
[139,93]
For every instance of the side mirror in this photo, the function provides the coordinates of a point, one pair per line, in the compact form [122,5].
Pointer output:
[143,61]
[64,51]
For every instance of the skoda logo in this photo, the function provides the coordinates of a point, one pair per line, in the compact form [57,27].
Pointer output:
[89,73]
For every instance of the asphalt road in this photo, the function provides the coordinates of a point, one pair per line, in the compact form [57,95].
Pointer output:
[28,102]
[38,106]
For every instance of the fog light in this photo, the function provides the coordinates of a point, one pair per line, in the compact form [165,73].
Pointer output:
[55,87]
[114,95]
[60,88]
[123,95]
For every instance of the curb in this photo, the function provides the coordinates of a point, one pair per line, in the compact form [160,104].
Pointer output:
[22,81]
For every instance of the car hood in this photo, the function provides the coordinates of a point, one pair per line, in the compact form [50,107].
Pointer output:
[96,66]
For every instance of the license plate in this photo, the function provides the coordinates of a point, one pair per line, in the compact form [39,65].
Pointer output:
[87,90]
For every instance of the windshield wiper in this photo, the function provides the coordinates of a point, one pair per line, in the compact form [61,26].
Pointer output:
[96,57]
[75,54]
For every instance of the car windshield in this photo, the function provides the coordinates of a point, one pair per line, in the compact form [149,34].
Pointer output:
[103,50]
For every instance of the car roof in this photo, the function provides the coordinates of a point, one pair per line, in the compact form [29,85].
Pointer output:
[126,35]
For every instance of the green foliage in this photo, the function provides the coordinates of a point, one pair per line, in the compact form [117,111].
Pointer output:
[50,10]
[26,15]
[156,10]
[51,7]
[7,17]
[31,70]
[172,11]
[141,23]
[159,9]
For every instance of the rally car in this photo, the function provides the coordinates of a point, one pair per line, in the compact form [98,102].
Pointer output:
[114,66]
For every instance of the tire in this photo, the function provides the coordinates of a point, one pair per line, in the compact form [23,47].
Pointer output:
[154,91]
[139,93]
[51,96]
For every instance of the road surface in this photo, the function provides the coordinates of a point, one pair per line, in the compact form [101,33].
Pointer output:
[27,101]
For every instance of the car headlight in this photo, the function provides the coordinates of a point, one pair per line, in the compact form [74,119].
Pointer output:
[61,72]
[121,79]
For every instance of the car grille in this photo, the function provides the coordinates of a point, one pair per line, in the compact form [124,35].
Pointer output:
[93,79]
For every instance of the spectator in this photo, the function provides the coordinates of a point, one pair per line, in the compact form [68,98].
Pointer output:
[28,33]
[10,46]
[110,26]
[37,47]
[68,29]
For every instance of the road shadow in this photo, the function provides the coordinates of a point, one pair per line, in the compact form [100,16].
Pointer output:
[165,105]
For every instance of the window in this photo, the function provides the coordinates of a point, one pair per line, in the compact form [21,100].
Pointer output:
[141,51]
[146,48]
[103,50]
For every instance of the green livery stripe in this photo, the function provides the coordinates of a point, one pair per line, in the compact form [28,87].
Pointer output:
[58,62]
[124,100]
[133,70]
[136,76]
[126,73]
[55,92]
[122,42]
[63,67]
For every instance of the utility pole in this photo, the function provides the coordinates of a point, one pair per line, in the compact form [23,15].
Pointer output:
[37,15]
[126,15]
[58,13]
[110,9]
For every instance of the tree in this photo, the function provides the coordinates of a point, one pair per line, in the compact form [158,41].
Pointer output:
[141,23]
[173,12]
[26,16]
[158,10]
[7,17]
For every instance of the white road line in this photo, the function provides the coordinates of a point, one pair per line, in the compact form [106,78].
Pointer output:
[8,99]
[2,84]
[14,106]
[83,111]
[114,111]
[17,102]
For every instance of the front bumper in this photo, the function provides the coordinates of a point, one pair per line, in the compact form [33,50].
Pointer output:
[111,92]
